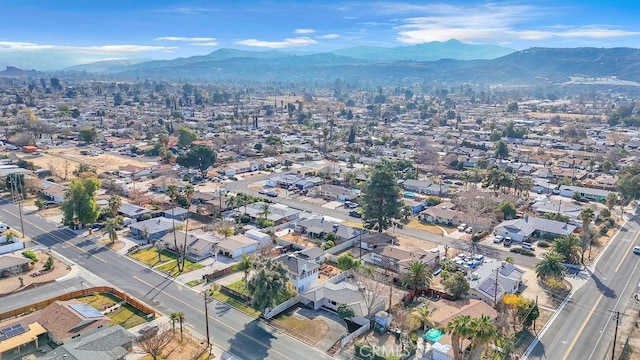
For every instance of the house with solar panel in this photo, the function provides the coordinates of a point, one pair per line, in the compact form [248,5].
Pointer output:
[492,280]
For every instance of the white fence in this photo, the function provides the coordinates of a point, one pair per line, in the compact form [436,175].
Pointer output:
[344,246]
[282,307]
[361,330]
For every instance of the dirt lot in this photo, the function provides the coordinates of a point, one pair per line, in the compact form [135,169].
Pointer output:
[58,156]
[12,284]
[188,348]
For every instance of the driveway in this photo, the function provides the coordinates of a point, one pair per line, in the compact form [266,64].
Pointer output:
[337,327]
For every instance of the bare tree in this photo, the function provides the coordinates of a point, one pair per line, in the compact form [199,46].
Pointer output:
[475,205]
[51,165]
[153,345]
[372,286]
[66,167]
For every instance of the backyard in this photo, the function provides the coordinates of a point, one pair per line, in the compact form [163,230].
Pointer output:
[311,331]
[126,315]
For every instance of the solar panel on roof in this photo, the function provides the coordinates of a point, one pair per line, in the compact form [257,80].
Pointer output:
[86,311]
[11,331]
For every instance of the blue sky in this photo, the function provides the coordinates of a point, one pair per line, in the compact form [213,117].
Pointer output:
[94,30]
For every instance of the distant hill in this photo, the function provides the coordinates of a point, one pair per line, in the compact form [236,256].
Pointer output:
[12,71]
[106,66]
[436,50]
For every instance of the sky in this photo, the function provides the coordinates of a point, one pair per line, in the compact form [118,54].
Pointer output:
[91,30]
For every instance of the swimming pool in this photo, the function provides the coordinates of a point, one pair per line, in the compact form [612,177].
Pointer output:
[433,335]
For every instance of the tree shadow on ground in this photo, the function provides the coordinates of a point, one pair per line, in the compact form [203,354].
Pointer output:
[253,342]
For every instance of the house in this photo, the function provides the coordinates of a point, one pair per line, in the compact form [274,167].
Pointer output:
[55,192]
[303,274]
[277,213]
[329,296]
[319,228]
[153,229]
[443,214]
[584,192]
[483,281]
[237,245]
[177,213]
[240,167]
[262,238]
[396,258]
[15,334]
[69,320]
[530,226]
[313,254]
[333,192]
[544,205]
[13,265]
[132,211]
[197,244]
[421,187]
[110,343]
[374,240]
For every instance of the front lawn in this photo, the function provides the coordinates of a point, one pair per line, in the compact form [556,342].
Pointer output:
[309,330]
[150,256]
[171,268]
[236,303]
[197,282]
[127,316]
[239,286]
[99,301]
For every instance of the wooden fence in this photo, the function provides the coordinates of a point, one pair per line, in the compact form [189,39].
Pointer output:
[234,293]
[75,294]
[218,273]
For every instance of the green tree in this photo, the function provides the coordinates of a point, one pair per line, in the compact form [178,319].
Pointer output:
[114,204]
[347,262]
[111,227]
[586,215]
[268,283]
[551,266]
[483,330]
[512,107]
[174,319]
[245,265]
[381,199]
[345,312]
[569,247]
[456,285]
[612,200]
[417,275]
[79,203]
[84,168]
[460,328]
[186,137]
[88,135]
[629,183]
[200,157]
[423,315]
[502,150]
[507,209]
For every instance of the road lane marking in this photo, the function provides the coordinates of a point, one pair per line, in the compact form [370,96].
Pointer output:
[63,241]
[153,287]
[595,306]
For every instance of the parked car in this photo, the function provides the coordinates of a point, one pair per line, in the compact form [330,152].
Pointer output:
[4,227]
[49,203]
[468,230]
[507,241]
[498,239]
[350,205]
[462,227]
[97,226]
[528,246]
[355,214]
[262,192]
[636,249]
[272,194]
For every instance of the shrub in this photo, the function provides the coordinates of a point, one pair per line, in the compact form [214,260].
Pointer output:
[30,255]
[543,244]
[610,222]
[605,213]
[522,251]
[245,219]
[49,264]
[479,236]
[263,223]
[604,230]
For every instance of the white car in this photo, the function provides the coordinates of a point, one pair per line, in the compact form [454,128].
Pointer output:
[498,239]
[462,227]
[528,246]
[4,227]
[636,249]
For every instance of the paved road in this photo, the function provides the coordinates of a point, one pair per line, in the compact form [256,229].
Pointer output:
[464,245]
[231,329]
[584,329]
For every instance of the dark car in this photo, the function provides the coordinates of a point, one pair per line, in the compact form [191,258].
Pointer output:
[272,194]
[262,192]
[507,241]
[97,226]
[355,214]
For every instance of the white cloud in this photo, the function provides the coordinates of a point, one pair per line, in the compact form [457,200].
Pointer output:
[304,31]
[185,39]
[206,44]
[329,36]
[102,49]
[487,22]
[286,43]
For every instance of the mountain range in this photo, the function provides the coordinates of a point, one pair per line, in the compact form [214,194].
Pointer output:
[372,64]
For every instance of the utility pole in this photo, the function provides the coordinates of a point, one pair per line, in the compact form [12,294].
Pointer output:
[206,319]
[16,194]
[615,336]
[495,291]
[534,320]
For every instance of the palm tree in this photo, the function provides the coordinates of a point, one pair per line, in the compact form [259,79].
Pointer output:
[114,204]
[417,275]
[568,247]
[264,211]
[180,316]
[245,265]
[460,328]
[174,318]
[111,227]
[188,194]
[423,314]
[483,330]
[172,191]
[586,215]
[551,266]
